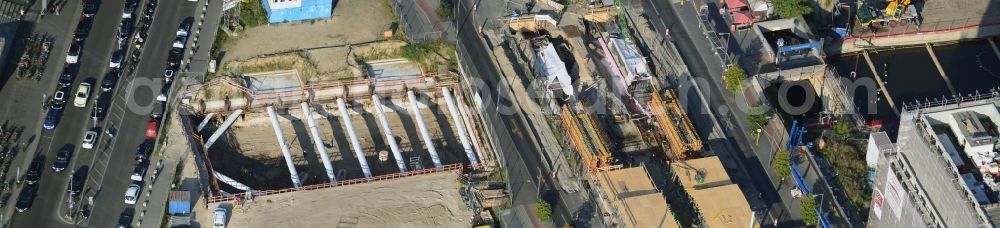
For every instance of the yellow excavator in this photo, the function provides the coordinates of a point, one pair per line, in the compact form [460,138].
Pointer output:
[895,13]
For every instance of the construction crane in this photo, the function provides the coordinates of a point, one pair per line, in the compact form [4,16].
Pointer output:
[896,12]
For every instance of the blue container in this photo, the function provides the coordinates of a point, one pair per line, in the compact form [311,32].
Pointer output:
[179,203]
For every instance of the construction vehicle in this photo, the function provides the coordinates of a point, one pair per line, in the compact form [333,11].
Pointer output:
[586,139]
[674,122]
[895,13]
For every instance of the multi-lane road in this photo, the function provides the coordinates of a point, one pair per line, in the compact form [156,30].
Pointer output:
[109,165]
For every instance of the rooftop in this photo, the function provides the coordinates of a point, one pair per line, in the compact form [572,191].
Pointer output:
[723,206]
[709,170]
[923,183]
[720,202]
[635,198]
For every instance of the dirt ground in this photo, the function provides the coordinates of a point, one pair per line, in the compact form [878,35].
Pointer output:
[353,21]
[250,152]
[946,11]
[430,200]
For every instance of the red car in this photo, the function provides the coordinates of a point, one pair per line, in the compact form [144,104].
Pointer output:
[151,129]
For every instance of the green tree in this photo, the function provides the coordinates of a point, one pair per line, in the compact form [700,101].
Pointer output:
[783,163]
[758,116]
[734,78]
[809,215]
[543,210]
[791,8]
[842,129]
[444,11]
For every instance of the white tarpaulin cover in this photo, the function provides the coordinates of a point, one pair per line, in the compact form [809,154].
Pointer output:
[635,64]
[551,68]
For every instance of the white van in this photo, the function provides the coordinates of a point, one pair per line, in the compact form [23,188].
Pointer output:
[132,194]
[220,218]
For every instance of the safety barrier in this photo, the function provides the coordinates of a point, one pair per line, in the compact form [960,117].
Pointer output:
[457,168]
[926,28]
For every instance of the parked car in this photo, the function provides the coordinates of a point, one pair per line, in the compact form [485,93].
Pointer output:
[145,148]
[76,182]
[34,173]
[180,42]
[26,198]
[168,75]
[82,94]
[110,79]
[132,194]
[89,9]
[125,219]
[99,111]
[220,218]
[151,128]
[62,158]
[51,119]
[73,55]
[81,32]
[157,111]
[174,58]
[59,95]
[66,79]
[57,105]
[138,172]
[185,26]
[116,59]
[129,10]
[88,139]
[164,92]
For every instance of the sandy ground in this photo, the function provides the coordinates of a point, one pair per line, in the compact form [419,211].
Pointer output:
[430,200]
[353,21]
[252,155]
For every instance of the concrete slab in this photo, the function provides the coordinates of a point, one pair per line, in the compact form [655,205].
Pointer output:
[273,82]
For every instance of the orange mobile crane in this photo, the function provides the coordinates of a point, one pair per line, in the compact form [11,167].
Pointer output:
[676,126]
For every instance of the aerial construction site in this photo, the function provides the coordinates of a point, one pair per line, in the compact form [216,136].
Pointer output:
[621,119]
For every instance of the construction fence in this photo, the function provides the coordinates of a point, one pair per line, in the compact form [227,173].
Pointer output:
[956,24]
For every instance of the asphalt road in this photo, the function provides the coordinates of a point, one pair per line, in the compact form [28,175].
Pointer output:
[131,105]
[525,172]
[130,111]
[50,205]
[703,63]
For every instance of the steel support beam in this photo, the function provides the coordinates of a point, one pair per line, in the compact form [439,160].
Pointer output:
[205,121]
[346,117]
[424,133]
[231,182]
[457,119]
[222,129]
[387,130]
[284,147]
[318,143]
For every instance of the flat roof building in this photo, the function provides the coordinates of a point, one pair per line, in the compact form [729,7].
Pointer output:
[636,202]
[923,181]
[720,202]
[280,11]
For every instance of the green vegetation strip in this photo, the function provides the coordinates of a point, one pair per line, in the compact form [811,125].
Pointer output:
[252,13]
